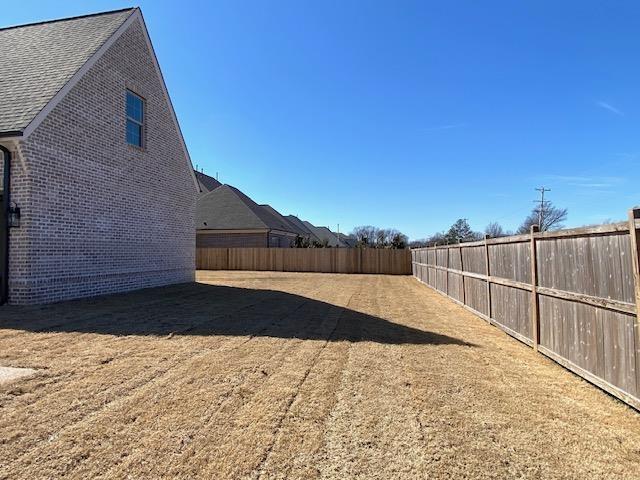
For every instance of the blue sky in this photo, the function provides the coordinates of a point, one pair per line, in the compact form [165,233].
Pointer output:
[399,113]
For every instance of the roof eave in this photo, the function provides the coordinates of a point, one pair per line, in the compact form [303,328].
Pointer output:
[11,135]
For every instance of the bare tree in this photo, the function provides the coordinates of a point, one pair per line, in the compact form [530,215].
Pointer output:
[549,217]
[365,235]
[368,236]
[381,238]
[437,239]
[397,239]
[494,230]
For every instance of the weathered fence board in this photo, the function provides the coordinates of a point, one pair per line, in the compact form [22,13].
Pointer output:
[573,295]
[324,260]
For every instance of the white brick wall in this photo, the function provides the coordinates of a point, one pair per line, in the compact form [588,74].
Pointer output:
[99,215]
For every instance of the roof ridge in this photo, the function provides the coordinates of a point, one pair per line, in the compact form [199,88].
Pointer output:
[243,197]
[56,20]
[283,218]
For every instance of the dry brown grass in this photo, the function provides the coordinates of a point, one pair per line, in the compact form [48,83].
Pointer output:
[284,375]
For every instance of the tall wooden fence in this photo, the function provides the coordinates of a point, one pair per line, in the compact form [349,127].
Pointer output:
[324,260]
[573,295]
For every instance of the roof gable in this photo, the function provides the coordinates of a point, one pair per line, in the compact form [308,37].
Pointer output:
[38,60]
[19,100]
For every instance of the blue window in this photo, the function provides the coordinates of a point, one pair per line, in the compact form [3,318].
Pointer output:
[135,119]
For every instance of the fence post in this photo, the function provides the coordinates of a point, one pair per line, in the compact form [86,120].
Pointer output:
[464,294]
[535,314]
[488,272]
[634,238]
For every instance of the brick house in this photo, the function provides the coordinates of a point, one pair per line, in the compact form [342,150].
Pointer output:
[226,217]
[96,172]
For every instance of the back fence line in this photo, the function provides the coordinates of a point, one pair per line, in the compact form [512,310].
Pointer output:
[572,295]
[321,260]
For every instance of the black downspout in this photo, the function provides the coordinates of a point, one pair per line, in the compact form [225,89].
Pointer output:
[4,242]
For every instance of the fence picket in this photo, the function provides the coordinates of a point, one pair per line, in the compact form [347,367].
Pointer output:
[323,260]
[567,294]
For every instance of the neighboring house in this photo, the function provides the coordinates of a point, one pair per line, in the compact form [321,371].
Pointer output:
[226,217]
[99,176]
[348,240]
[291,227]
[299,224]
[324,234]
[206,183]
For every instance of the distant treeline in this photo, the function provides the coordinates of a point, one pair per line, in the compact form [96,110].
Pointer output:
[546,216]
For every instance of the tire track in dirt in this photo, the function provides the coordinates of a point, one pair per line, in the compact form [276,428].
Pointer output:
[263,470]
[299,445]
[84,366]
[120,392]
[364,406]
[363,439]
[268,321]
[242,393]
[226,406]
[229,451]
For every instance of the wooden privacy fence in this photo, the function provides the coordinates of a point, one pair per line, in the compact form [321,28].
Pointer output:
[572,295]
[323,260]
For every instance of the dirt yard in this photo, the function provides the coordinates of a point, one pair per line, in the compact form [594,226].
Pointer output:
[281,375]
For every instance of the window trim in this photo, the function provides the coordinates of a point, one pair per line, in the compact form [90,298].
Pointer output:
[140,124]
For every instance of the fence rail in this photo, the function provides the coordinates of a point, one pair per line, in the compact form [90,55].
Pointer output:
[323,260]
[573,295]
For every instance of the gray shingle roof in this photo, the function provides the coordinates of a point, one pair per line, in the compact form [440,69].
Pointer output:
[37,60]
[291,227]
[206,182]
[275,220]
[324,233]
[348,240]
[302,227]
[227,208]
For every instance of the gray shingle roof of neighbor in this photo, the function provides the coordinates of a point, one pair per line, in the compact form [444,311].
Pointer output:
[206,183]
[284,220]
[301,227]
[227,208]
[348,240]
[323,233]
[38,59]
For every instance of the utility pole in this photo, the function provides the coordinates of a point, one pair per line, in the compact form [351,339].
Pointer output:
[542,206]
